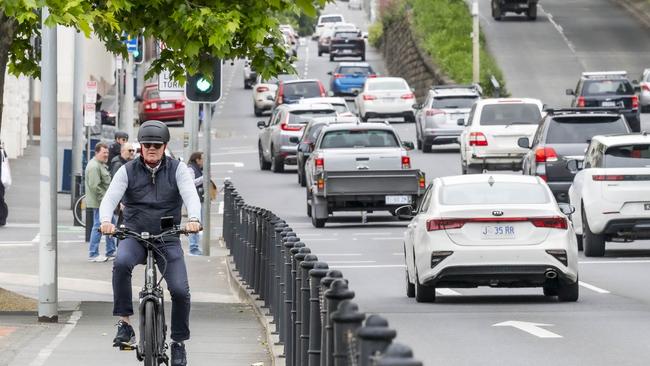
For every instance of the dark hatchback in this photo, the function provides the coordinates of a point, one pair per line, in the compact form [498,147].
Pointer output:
[347,44]
[292,91]
[562,136]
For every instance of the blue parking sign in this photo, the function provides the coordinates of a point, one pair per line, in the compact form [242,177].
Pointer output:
[131,43]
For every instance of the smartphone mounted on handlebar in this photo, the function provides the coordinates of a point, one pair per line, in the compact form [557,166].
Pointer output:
[167,223]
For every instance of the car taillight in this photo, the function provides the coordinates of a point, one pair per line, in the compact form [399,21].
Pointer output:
[152,105]
[635,101]
[581,101]
[422,181]
[322,89]
[444,224]
[180,103]
[406,162]
[477,139]
[287,127]
[369,97]
[433,112]
[408,96]
[320,183]
[550,222]
[320,164]
[372,75]
[262,89]
[607,178]
[338,76]
[544,154]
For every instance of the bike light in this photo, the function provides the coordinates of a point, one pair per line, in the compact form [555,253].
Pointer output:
[559,254]
[438,256]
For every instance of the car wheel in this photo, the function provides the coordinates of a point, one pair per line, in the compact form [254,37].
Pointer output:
[410,287]
[331,57]
[532,12]
[427,148]
[364,118]
[424,293]
[579,240]
[308,204]
[257,111]
[593,244]
[264,165]
[568,292]
[363,57]
[277,163]
[303,180]
[550,291]
[496,10]
[320,53]
[318,223]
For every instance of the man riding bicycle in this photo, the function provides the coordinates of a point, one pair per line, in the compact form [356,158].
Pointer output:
[150,187]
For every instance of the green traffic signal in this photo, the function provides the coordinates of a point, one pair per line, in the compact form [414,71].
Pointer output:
[203,85]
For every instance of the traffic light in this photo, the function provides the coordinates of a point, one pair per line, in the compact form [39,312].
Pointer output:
[199,89]
[138,53]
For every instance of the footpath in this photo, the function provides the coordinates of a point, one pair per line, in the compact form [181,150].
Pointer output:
[225,329]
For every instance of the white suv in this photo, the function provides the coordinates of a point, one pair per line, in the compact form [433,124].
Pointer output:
[489,140]
[611,194]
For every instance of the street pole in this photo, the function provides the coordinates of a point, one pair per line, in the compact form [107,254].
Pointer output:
[191,129]
[127,121]
[77,115]
[47,253]
[205,244]
[476,48]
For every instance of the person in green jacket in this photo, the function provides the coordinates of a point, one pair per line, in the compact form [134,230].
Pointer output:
[97,181]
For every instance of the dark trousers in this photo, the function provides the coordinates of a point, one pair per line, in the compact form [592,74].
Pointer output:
[129,254]
[4,210]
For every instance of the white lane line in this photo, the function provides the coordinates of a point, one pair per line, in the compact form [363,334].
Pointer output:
[46,352]
[37,238]
[243,147]
[339,254]
[221,206]
[593,288]
[447,292]
[559,29]
[395,238]
[530,328]
[322,239]
[368,234]
[235,164]
[349,262]
[400,254]
[236,153]
[616,261]
[372,266]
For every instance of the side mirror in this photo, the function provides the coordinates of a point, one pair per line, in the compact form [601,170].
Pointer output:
[570,92]
[364,35]
[329,73]
[294,139]
[405,212]
[261,124]
[408,145]
[566,208]
[460,122]
[523,142]
[417,106]
[574,166]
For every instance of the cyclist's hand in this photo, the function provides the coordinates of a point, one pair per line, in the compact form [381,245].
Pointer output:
[193,227]
[107,228]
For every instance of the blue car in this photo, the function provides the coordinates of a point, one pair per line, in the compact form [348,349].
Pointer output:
[348,77]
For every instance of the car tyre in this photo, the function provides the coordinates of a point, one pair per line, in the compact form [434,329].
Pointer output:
[308,204]
[532,12]
[496,11]
[424,293]
[364,118]
[277,163]
[264,165]
[320,53]
[318,223]
[427,148]
[550,291]
[593,244]
[410,287]
[568,292]
[331,57]
[579,240]
[363,57]
[257,111]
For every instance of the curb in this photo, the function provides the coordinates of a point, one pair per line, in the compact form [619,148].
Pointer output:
[246,295]
[638,9]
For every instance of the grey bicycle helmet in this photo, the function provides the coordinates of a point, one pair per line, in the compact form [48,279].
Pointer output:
[121,135]
[153,132]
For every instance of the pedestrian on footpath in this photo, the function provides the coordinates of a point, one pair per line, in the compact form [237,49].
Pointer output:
[97,181]
[114,150]
[126,154]
[5,182]
[195,168]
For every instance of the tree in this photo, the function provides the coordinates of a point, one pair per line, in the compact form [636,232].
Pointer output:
[192,31]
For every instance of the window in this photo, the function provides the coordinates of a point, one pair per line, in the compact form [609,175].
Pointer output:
[346,139]
[331,19]
[426,201]
[627,156]
[576,130]
[388,85]
[497,193]
[302,117]
[346,34]
[341,108]
[453,102]
[355,70]
[301,90]
[508,113]
[607,87]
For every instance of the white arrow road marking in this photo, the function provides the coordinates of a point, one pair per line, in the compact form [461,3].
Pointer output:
[593,288]
[531,328]
[235,164]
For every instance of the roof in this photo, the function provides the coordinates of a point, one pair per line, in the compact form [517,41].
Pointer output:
[614,140]
[484,178]
[300,81]
[306,107]
[329,100]
[359,126]
[336,119]
[604,74]
[358,64]
[456,89]
[383,78]
[482,102]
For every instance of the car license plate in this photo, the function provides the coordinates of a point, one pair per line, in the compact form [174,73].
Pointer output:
[496,232]
[166,106]
[389,99]
[347,51]
[398,200]
[646,206]
[609,104]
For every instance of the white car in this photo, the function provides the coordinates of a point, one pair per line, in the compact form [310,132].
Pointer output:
[489,140]
[355,4]
[264,92]
[611,194]
[324,21]
[644,92]
[497,231]
[338,103]
[386,97]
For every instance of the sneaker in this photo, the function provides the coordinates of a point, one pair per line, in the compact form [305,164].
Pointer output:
[179,357]
[99,258]
[125,334]
[110,257]
[196,253]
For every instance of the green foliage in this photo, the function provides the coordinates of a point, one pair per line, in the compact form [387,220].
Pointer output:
[192,30]
[375,33]
[444,28]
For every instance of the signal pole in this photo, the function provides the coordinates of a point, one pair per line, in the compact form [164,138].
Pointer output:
[475,44]
[205,244]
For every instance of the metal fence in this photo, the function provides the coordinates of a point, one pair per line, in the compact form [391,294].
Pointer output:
[314,315]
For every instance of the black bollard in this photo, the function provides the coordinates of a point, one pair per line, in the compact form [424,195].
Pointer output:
[397,355]
[274,278]
[296,310]
[315,275]
[289,299]
[374,337]
[325,283]
[303,312]
[338,292]
[346,321]
[287,243]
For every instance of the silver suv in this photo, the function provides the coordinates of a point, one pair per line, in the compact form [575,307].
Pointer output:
[278,138]
[436,120]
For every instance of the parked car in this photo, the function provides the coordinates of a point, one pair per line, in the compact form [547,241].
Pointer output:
[308,140]
[386,97]
[291,91]
[264,92]
[250,75]
[563,135]
[501,7]
[490,138]
[324,21]
[360,167]
[355,4]
[348,77]
[291,40]
[436,120]
[644,91]
[338,103]
[278,138]
[162,106]
[497,230]
[325,39]
[347,43]
[608,89]
[611,192]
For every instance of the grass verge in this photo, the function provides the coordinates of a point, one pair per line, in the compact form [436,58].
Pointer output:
[11,301]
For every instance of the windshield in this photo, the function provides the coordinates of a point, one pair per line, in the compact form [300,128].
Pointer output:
[341,108]
[346,35]
[572,130]
[359,139]
[628,156]
[332,19]
[388,85]
[351,70]
[508,113]
[301,90]
[607,87]
[312,133]
[453,102]
[497,193]
[155,94]
[302,117]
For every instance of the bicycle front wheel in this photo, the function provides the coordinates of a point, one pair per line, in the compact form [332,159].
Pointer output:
[80,211]
[150,346]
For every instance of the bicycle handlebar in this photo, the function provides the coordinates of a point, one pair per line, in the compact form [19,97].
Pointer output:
[124,233]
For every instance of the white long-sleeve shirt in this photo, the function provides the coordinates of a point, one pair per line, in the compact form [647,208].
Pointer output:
[120,182]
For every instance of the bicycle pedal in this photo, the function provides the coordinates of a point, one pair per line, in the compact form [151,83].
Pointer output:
[127,347]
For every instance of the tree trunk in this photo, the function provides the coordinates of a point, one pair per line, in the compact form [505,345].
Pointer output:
[8,27]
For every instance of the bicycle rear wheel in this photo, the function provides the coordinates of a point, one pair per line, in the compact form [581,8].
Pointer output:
[150,346]
[80,211]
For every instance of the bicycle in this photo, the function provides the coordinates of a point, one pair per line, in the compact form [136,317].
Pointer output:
[79,211]
[152,348]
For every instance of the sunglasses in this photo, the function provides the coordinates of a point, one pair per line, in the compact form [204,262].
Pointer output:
[149,145]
